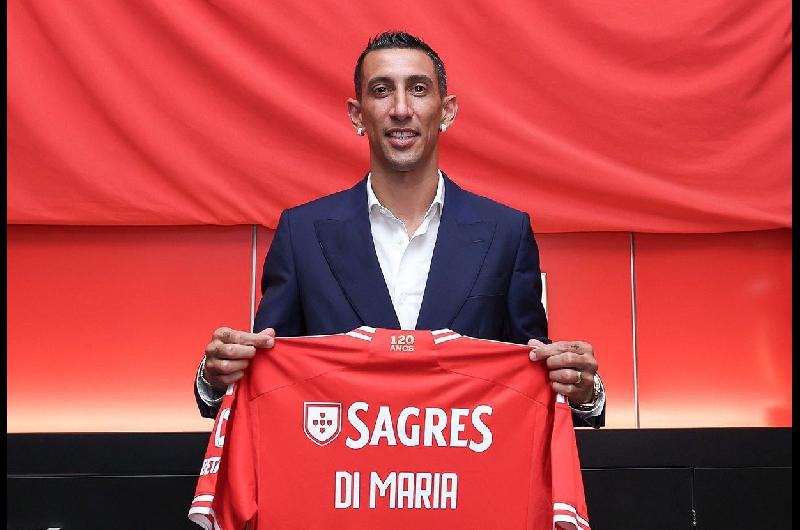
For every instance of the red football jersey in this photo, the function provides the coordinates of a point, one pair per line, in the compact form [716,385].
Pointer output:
[393,430]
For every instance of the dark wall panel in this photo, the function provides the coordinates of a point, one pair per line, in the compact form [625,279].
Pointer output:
[640,499]
[743,499]
[634,478]
[100,503]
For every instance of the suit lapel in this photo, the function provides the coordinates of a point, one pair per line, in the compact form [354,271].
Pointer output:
[461,246]
[346,241]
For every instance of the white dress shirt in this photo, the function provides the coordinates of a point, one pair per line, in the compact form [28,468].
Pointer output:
[405,261]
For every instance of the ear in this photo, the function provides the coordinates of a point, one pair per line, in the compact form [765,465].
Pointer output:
[354,111]
[449,110]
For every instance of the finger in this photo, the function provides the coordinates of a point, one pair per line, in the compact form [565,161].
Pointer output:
[560,347]
[576,361]
[227,335]
[219,350]
[565,360]
[265,339]
[575,346]
[535,344]
[568,391]
[219,333]
[231,378]
[544,351]
[220,367]
[567,377]
[574,394]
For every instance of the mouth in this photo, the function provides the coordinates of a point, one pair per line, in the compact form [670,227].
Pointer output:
[401,138]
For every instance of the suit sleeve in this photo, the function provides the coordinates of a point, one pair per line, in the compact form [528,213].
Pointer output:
[280,307]
[569,501]
[225,496]
[526,314]
[525,309]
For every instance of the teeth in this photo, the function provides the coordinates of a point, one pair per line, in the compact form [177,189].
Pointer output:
[401,134]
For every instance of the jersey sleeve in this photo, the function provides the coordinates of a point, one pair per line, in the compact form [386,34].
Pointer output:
[569,502]
[225,496]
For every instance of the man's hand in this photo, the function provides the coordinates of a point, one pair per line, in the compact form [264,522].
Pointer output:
[229,353]
[566,360]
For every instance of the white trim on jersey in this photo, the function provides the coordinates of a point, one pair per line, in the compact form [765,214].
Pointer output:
[570,520]
[358,335]
[449,334]
[440,340]
[368,329]
[574,518]
[205,517]
[561,399]
[200,520]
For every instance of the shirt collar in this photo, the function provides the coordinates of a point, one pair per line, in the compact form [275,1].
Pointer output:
[438,199]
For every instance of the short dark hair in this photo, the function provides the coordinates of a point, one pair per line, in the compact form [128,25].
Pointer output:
[401,39]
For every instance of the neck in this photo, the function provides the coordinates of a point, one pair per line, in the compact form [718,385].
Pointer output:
[407,194]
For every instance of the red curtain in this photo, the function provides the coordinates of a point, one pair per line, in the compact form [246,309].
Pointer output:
[592,115]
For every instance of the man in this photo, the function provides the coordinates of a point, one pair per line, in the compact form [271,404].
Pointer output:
[405,248]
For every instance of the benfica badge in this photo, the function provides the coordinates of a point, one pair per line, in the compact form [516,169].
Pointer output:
[322,421]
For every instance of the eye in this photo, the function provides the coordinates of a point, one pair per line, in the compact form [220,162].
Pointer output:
[419,89]
[380,90]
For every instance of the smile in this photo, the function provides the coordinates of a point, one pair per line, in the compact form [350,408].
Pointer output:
[401,134]
[402,138]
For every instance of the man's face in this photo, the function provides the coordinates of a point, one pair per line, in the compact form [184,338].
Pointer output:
[401,109]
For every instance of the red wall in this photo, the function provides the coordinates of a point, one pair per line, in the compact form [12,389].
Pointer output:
[714,329]
[589,298]
[106,325]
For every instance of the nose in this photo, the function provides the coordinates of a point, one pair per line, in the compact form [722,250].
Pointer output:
[401,109]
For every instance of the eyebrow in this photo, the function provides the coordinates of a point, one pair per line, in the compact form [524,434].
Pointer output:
[417,78]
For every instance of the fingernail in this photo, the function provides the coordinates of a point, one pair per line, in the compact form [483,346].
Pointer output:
[532,355]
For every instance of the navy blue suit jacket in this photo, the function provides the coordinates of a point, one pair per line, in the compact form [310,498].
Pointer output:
[322,275]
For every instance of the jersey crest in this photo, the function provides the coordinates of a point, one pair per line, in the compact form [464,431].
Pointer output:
[322,421]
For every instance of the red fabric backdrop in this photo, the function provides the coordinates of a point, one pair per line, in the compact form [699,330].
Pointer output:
[592,115]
